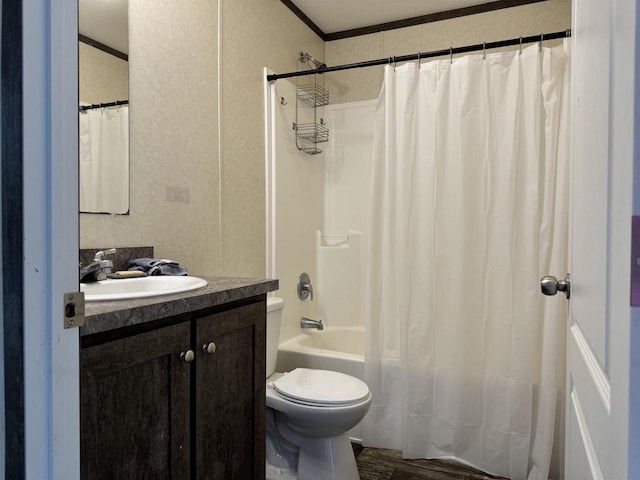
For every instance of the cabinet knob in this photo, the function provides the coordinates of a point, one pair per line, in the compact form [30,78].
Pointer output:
[210,348]
[187,356]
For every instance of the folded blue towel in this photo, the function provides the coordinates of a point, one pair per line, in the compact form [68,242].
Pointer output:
[157,266]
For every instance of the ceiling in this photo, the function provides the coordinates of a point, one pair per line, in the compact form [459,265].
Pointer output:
[105,21]
[333,16]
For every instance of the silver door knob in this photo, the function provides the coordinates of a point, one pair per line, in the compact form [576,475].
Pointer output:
[550,285]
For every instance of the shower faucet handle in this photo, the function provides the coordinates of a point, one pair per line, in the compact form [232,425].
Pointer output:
[305,289]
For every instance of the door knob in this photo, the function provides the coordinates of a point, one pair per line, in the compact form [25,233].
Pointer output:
[550,285]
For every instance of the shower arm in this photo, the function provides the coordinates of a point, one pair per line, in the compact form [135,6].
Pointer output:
[304,57]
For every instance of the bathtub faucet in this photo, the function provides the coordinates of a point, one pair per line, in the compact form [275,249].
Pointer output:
[308,323]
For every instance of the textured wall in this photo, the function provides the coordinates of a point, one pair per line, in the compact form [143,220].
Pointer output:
[173,131]
[174,115]
[101,77]
[364,84]
[255,34]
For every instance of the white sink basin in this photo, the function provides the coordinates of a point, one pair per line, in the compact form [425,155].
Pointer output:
[127,288]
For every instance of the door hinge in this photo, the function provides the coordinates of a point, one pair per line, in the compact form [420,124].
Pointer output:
[73,309]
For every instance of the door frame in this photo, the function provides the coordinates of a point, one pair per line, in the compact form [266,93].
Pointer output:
[623,346]
[50,236]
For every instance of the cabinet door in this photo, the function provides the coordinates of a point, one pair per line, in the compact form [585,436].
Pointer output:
[134,412]
[230,394]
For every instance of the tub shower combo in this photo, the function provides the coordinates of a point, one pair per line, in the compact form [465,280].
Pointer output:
[460,370]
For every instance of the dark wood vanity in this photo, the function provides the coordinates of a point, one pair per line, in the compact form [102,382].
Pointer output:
[175,387]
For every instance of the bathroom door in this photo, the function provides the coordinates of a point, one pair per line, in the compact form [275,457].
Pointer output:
[598,431]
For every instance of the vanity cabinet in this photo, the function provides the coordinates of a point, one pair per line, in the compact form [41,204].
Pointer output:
[230,395]
[134,406]
[185,400]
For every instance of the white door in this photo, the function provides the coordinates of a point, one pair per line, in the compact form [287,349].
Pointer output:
[598,347]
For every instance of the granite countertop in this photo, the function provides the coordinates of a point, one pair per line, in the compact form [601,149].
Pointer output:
[105,316]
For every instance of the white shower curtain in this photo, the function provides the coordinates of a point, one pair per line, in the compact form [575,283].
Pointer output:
[104,160]
[470,200]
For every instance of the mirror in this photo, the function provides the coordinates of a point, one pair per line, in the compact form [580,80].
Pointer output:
[103,76]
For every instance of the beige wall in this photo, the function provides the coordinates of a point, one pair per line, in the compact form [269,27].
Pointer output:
[174,115]
[173,136]
[364,84]
[101,77]
[173,60]
[255,34]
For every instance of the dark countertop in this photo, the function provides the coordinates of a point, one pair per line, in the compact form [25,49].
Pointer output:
[110,315]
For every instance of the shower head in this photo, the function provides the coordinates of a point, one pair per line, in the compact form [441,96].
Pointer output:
[304,57]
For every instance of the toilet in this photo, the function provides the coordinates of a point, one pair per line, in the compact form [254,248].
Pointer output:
[308,415]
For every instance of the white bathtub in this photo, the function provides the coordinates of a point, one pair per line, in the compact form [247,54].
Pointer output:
[340,349]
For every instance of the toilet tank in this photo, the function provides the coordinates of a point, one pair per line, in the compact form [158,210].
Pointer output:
[274,319]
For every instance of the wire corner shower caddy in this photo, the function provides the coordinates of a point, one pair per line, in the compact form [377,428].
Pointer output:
[310,134]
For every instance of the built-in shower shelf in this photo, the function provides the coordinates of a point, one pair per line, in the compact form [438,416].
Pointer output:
[313,94]
[312,133]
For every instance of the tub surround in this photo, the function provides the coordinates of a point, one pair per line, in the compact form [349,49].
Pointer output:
[336,348]
[101,317]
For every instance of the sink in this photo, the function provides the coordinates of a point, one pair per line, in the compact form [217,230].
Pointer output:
[128,288]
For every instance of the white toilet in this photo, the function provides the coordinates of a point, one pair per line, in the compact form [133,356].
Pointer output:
[308,415]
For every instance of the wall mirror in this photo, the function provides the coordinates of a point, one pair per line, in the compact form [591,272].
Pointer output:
[103,77]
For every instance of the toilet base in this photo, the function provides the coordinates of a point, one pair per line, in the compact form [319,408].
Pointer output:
[275,473]
[326,458]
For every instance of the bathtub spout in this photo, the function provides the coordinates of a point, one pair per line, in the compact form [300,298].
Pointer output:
[309,323]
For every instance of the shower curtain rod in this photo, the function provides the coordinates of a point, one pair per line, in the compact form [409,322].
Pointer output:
[419,56]
[83,108]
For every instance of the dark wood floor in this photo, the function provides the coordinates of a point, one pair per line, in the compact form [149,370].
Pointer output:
[379,464]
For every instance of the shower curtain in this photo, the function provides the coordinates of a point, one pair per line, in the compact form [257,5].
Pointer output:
[104,160]
[469,209]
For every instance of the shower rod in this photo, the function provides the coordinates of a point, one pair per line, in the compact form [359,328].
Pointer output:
[437,53]
[84,108]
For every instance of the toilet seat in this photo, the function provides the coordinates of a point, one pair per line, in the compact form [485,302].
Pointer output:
[321,388]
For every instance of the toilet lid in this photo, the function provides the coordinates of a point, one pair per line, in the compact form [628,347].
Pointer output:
[321,387]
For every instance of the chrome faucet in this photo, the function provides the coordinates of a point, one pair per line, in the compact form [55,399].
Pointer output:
[99,268]
[309,323]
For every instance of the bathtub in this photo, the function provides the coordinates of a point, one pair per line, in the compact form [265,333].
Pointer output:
[340,349]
